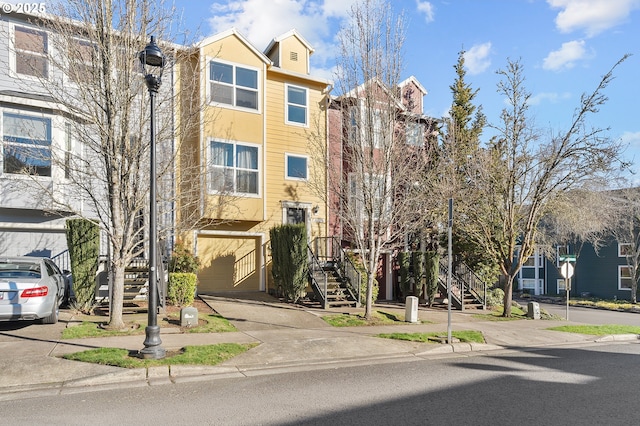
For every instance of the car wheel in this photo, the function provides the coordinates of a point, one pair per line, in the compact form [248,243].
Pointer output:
[52,318]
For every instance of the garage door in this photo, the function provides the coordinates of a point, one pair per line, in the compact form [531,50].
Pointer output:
[228,263]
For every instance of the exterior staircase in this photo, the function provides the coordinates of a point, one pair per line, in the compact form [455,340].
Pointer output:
[468,291]
[332,276]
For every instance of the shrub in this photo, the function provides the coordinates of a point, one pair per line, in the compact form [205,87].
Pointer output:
[432,269]
[182,288]
[83,240]
[403,261]
[289,259]
[182,260]
[495,297]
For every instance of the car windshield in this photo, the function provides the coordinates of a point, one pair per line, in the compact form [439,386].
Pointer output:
[19,269]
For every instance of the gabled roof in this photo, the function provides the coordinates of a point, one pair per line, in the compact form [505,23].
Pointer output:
[286,35]
[234,32]
[353,93]
[415,81]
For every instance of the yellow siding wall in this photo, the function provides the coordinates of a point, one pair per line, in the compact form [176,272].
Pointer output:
[289,45]
[231,250]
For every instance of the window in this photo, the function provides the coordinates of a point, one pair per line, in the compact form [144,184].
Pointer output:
[31,52]
[26,144]
[366,127]
[296,167]
[68,146]
[296,215]
[413,134]
[368,197]
[233,85]
[296,105]
[625,276]
[561,286]
[234,168]
[625,249]
[528,284]
[81,54]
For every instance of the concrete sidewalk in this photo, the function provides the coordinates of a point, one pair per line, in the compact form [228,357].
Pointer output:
[289,338]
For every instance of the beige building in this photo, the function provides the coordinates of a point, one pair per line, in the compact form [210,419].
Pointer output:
[262,110]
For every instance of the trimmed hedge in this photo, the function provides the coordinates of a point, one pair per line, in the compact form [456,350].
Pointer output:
[83,241]
[182,288]
[290,259]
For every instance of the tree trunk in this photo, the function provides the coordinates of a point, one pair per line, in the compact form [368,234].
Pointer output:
[508,297]
[117,297]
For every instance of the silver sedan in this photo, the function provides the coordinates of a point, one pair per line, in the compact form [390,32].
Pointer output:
[31,288]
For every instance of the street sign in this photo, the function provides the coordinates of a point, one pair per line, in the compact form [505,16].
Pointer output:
[567,258]
[566,270]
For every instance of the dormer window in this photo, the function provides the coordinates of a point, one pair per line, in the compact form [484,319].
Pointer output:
[233,85]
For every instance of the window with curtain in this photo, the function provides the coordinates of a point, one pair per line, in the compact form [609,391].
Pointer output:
[26,147]
[31,52]
[233,85]
[296,105]
[234,168]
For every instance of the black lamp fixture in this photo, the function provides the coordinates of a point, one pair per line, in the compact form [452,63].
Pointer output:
[153,62]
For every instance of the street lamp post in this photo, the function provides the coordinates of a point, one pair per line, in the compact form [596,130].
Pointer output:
[153,60]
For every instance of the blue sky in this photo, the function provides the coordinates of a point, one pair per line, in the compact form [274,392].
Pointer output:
[565,45]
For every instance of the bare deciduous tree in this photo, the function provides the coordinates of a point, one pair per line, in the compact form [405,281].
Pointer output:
[521,176]
[95,79]
[373,171]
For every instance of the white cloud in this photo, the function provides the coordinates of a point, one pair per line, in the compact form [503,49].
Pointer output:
[565,57]
[426,8]
[260,21]
[592,16]
[632,139]
[476,59]
[551,97]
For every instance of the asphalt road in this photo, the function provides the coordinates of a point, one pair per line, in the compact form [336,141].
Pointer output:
[592,384]
[593,316]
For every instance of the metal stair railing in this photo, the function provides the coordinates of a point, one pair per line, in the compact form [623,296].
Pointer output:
[317,270]
[329,252]
[464,281]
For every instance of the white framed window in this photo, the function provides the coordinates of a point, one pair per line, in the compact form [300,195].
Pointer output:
[81,54]
[528,284]
[31,48]
[296,167]
[366,127]
[624,249]
[414,134]
[372,194]
[297,105]
[625,277]
[234,168]
[233,85]
[560,285]
[26,144]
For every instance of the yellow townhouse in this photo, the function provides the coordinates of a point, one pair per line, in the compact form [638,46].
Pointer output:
[253,154]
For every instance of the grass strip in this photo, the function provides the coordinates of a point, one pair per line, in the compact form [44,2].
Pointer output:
[189,355]
[469,336]
[598,330]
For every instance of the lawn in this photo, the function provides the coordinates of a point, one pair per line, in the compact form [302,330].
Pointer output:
[356,320]
[469,336]
[598,330]
[208,323]
[189,355]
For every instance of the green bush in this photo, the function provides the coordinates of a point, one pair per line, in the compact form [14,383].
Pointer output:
[432,269]
[182,260]
[404,263]
[83,240]
[495,297]
[289,259]
[182,288]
